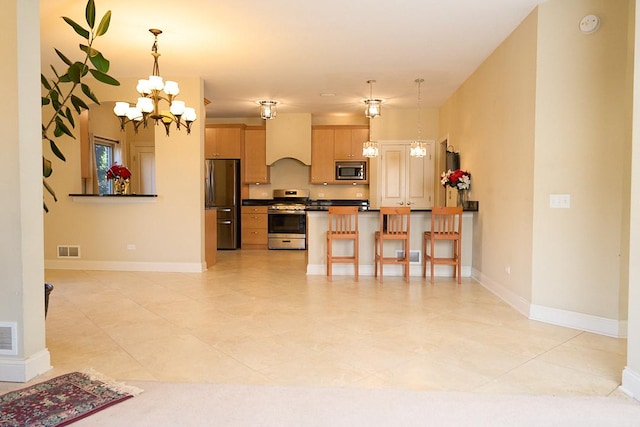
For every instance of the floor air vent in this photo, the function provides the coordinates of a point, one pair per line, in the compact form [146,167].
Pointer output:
[8,338]
[68,251]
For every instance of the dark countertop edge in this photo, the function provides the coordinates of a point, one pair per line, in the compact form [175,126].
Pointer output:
[378,210]
[112,195]
[257,202]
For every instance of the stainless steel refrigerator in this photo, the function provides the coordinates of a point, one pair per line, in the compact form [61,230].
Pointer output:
[222,191]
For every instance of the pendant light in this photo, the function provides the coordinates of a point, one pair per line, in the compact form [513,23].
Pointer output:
[268,109]
[152,92]
[373,104]
[418,148]
[370,148]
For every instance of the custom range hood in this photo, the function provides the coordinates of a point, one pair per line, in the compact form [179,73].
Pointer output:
[289,136]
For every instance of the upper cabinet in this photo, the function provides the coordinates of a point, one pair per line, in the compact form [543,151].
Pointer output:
[322,163]
[348,142]
[256,170]
[401,180]
[335,143]
[223,141]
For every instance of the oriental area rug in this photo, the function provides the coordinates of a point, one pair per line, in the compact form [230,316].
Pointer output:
[62,400]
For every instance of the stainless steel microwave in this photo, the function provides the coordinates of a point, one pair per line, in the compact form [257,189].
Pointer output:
[351,171]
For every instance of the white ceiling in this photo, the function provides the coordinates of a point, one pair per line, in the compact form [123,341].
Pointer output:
[296,50]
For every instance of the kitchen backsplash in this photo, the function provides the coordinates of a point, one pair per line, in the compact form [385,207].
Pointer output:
[290,173]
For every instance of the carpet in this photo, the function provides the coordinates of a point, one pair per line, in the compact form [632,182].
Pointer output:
[62,400]
[237,405]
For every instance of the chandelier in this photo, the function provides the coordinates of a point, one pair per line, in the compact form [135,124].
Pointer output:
[152,91]
[268,109]
[418,148]
[373,105]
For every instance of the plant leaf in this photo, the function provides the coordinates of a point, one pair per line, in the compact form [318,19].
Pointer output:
[45,101]
[104,24]
[47,170]
[50,190]
[79,104]
[90,13]
[64,58]
[100,62]
[56,150]
[45,82]
[91,52]
[77,28]
[104,78]
[69,117]
[74,72]
[87,91]
[62,127]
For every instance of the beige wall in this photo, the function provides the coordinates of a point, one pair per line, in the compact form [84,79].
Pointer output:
[167,231]
[582,148]
[490,121]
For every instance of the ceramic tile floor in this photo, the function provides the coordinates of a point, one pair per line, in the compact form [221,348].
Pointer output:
[256,318]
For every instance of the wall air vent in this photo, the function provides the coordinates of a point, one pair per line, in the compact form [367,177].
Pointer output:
[66,251]
[414,256]
[8,338]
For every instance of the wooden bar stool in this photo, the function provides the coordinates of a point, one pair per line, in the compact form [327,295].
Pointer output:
[446,225]
[394,225]
[343,225]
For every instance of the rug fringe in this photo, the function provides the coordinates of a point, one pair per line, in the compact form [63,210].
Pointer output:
[114,385]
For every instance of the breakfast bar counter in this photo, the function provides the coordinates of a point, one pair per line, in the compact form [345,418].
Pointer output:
[368,223]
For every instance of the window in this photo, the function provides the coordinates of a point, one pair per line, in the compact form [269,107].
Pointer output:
[106,154]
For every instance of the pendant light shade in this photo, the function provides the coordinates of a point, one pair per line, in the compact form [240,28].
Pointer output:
[374,105]
[370,149]
[268,109]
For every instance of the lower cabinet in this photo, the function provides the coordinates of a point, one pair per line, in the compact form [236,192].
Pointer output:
[210,236]
[254,227]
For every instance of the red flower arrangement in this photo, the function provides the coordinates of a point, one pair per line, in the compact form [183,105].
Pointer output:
[118,171]
[458,179]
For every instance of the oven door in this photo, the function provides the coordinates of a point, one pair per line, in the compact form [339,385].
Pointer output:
[287,230]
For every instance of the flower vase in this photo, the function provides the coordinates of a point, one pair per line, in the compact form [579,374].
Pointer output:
[462,198]
[120,186]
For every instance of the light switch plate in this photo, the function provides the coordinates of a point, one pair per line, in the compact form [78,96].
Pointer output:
[560,201]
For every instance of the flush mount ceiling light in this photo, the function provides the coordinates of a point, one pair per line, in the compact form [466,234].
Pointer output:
[152,91]
[418,147]
[268,109]
[373,104]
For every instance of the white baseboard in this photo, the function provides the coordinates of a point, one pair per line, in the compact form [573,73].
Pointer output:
[631,383]
[585,322]
[389,270]
[516,301]
[22,370]
[165,267]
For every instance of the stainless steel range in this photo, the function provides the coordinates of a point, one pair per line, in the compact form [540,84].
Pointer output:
[287,219]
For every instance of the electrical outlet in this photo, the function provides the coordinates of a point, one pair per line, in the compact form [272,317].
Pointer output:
[131,247]
[560,201]
[320,194]
[358,194]
[507,269]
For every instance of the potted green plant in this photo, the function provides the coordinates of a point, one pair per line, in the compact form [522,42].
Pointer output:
[59,95]
[60,92]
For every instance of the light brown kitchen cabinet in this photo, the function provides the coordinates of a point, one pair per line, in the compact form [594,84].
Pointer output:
[223,141]
[348,142]
[322,160]
[256,170]
[254,227]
